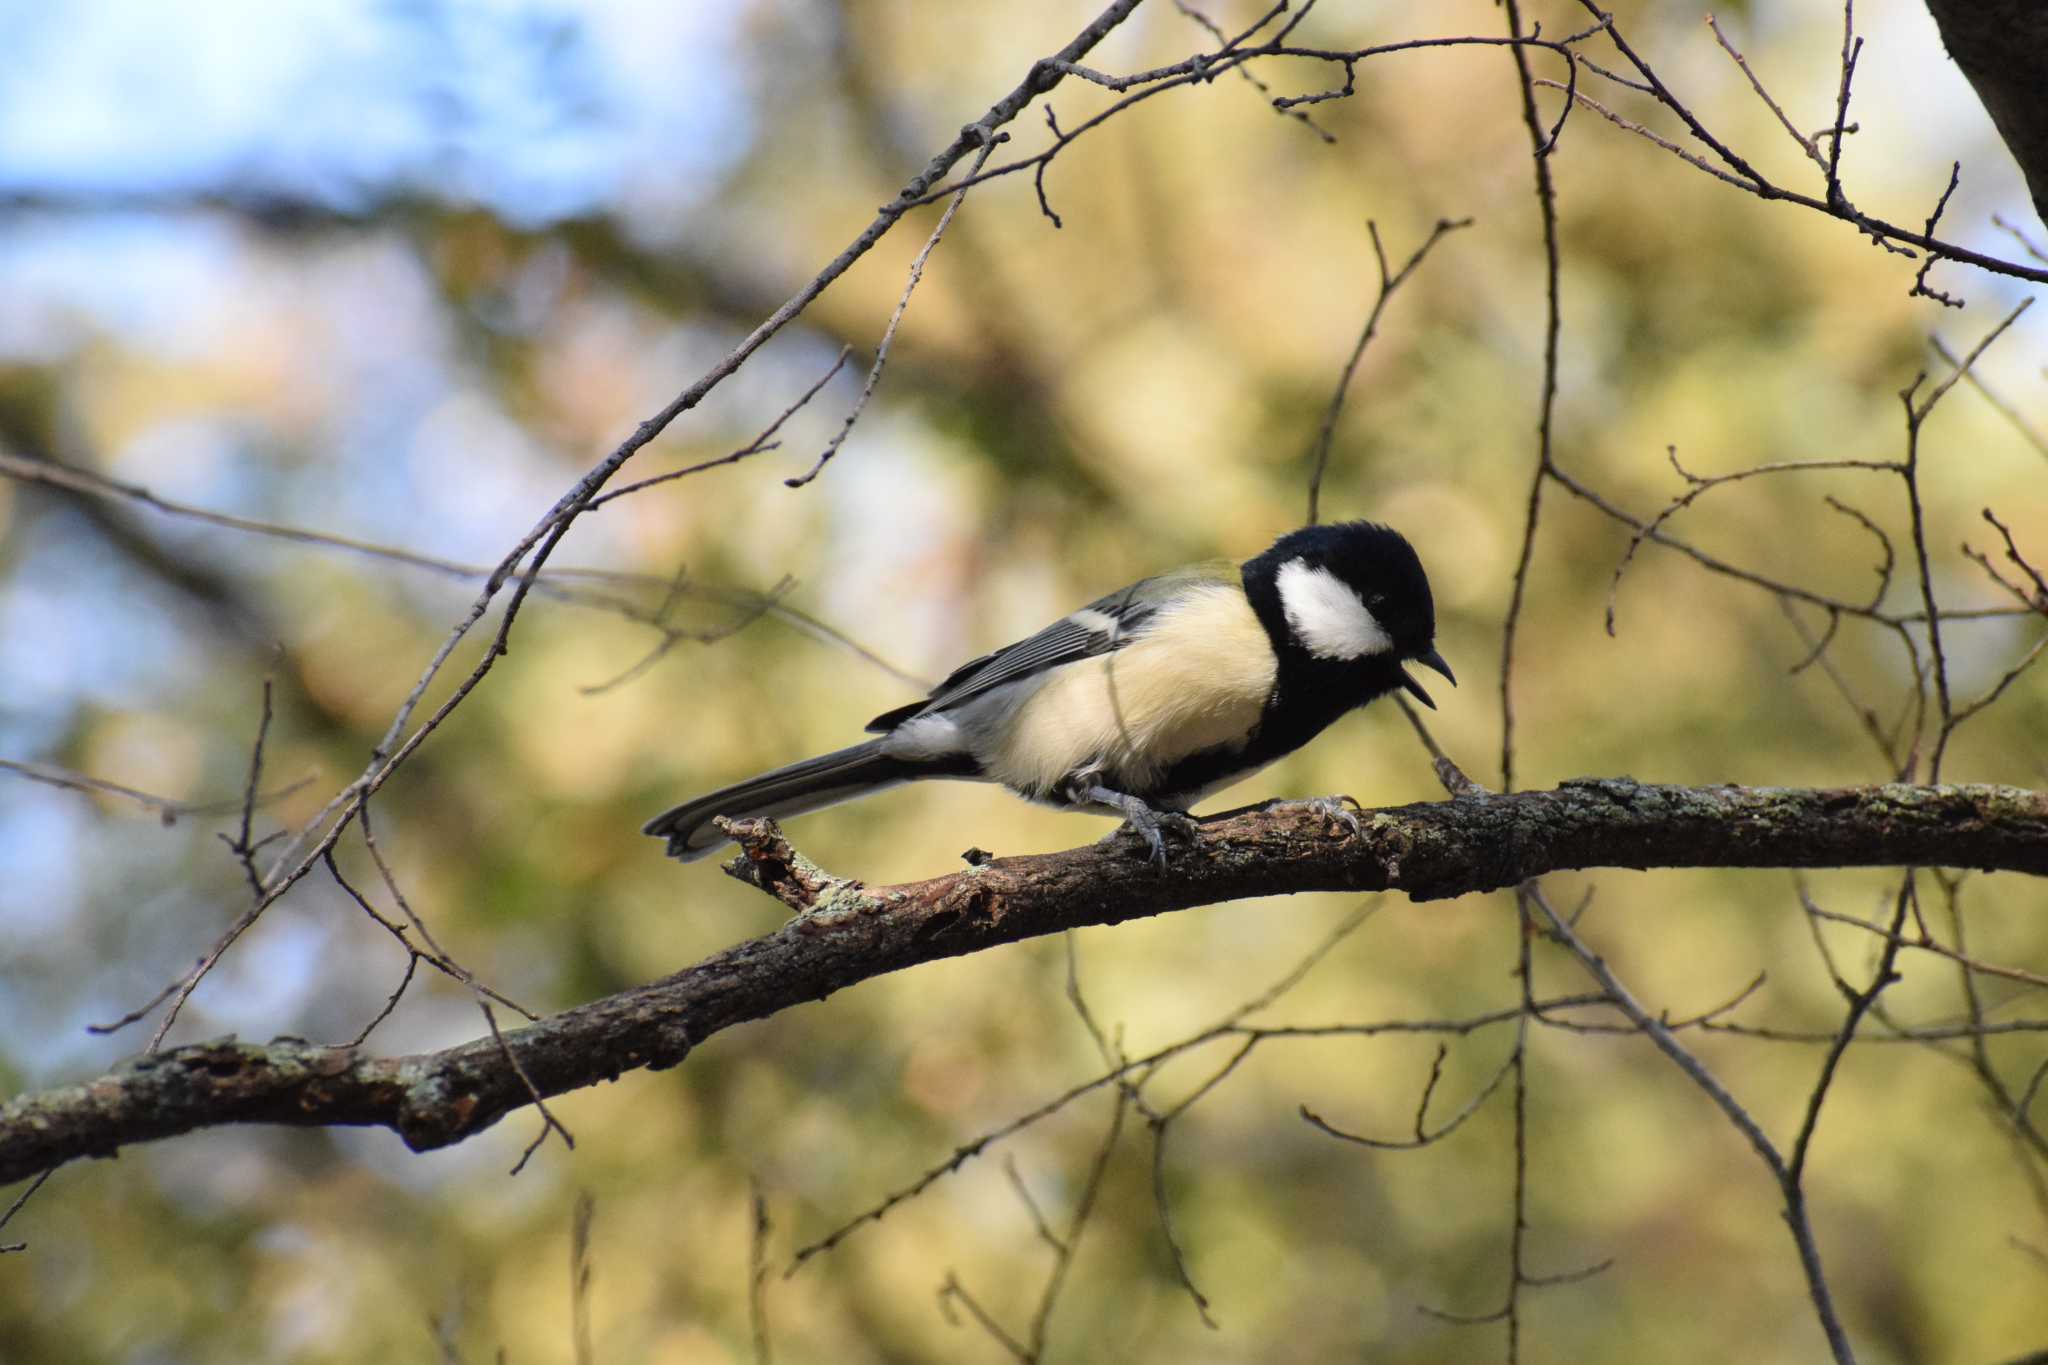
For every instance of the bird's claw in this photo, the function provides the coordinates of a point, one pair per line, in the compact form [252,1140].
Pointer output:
[1337,810]
[1152,826]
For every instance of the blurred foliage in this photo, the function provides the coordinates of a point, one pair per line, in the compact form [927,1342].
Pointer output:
[417,354]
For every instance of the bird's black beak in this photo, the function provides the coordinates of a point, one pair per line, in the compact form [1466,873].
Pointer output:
[1431,660]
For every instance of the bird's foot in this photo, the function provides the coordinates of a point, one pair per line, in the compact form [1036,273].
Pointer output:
[1149,823]
[1333,810]
[1153,825]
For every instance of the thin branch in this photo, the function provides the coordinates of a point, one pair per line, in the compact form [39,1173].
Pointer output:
[1926,944]
[1716,565]
[761,444]
[1320,452]
[1546,406]
[566,585]
[549,1123]
[454,971]
[1164,1205]
[390,1006]
[1696,1071]
[2018,234]
[1742,175]
[1916,418]
[1423,1136]
[1697,485]
[1038,1223]
[1816,652]
[1116,1076]
[2004,408]
[1852,48]
[579,1278]
[1860,1004]
[168,810]
[1203,68]
[15,1207]
[1084,1206]
[867,388]
[1806,144]
[2038,599]
[757,1279]
[1920,289]
[242,844]
[1209,26]
[952,1292]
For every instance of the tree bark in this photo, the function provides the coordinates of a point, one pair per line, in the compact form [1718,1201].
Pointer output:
[2002,47]
[845,933]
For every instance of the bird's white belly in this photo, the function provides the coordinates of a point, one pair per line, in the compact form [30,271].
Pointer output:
[1198,679]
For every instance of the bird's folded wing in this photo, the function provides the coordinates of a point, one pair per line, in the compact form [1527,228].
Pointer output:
[1104,625]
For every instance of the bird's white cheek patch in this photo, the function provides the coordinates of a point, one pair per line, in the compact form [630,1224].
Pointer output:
[1329,619]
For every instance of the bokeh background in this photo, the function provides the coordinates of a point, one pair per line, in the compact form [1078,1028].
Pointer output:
[399,272]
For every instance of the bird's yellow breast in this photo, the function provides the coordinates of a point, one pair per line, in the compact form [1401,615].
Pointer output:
[1198,678]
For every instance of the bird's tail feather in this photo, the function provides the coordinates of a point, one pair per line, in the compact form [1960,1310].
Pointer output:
[807,786]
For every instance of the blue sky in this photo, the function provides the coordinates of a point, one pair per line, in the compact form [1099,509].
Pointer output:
[538,109]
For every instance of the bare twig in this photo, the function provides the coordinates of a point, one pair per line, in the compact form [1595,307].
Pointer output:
[1781,587]
[454,971]
[952,1292]
[242,845]
[1816,652]
[1697,484]
[1920,289]
[1806,144]
[867,388]
[757,1279]
[1084,1206]
[2003,407]
[2018,234]
[1301,116]
[15,1207]
[484,997]
[1546,203]
[1916,417]
[1786,1176]
[2036,600]
[1202,68]
[1388,283]
[761,444]
[1852,48]
[412,966]
[579,1279]
[568,585]
[1424,1136]
[1735,170]
[168,811]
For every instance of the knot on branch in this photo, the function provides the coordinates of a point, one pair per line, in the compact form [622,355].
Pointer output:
[767,862]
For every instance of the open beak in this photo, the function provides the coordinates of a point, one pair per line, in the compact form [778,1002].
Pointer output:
[1431,660]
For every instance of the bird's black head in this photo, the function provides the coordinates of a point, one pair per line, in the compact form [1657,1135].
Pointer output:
[1348,598]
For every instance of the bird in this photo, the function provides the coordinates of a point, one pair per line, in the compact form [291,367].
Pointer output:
[1144,701]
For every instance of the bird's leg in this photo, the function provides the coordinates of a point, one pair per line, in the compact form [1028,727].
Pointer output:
[1338,810]
[1146,821]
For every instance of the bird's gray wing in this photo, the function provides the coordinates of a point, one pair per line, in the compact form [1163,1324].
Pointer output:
[1103,626]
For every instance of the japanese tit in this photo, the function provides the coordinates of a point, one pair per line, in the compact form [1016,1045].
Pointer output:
[1142,702]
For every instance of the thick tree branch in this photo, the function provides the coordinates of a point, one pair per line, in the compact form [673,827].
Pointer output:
[2002,46]
[846,933]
